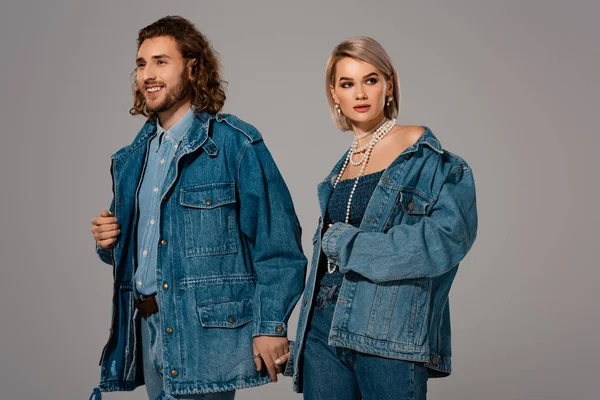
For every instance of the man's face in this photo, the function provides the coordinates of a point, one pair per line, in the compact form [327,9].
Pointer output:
[162,73]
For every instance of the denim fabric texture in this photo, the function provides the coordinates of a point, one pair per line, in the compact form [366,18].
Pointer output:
[399,264]
[338,373]
[229,265]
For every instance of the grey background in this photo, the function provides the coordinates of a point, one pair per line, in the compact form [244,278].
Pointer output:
[511,86]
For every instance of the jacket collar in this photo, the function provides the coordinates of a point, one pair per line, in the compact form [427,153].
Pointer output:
[194,137]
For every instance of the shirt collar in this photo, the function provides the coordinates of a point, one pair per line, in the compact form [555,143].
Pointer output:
[180,128]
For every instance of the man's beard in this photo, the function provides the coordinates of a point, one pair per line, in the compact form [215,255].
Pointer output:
[172,96]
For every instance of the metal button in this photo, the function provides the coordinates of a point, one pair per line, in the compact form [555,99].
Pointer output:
[163,242]
[169,330]
[165,286]
[164,198]
[279,329]
[120,201]
[411,205]
[435,360]
[174,373]
[231,319]
[208,202]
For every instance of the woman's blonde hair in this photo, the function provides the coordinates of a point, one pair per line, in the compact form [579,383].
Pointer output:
[370,51]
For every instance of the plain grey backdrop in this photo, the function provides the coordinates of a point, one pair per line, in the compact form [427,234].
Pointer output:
[512,86]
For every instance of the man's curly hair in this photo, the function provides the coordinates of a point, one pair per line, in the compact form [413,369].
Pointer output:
[207,88]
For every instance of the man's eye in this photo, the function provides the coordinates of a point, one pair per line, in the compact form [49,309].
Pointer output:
[159,62]
[140,66]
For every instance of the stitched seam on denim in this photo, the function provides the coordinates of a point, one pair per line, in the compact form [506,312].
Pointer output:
[332,241]
[408,346]
[217,280]
[250,140]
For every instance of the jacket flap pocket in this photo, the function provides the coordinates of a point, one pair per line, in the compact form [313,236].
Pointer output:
[414,202]
[230,314]
[208,196]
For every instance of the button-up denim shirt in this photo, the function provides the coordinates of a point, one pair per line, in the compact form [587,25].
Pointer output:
[160,155]
[229,266]
[399,264]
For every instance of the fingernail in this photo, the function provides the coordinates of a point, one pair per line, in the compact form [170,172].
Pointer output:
[278,361]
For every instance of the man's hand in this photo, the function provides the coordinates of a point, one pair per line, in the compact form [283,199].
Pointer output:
[274,351]
[105,229]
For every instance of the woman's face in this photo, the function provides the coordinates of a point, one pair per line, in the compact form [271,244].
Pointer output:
[361,91]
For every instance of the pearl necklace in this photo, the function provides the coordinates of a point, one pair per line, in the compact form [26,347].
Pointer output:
[384,127]
[379,134]
[355,149]
[373,129]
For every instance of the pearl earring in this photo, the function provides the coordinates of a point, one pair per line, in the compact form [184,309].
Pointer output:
[389,101]
[337,107]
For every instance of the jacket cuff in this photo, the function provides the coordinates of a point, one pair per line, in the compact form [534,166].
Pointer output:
[104,254]
[289,366]
[331,241]
[270,328]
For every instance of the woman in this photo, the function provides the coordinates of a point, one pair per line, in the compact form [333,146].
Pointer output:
[397,216]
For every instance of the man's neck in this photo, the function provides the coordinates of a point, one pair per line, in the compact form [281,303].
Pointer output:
[172,115]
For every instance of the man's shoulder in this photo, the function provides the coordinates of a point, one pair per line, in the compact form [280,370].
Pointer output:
[229,122]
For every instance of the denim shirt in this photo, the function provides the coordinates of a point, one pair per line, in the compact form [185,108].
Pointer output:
[399,264]
[229,266]
[162,147]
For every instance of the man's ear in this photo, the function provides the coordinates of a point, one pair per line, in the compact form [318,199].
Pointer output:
[191,66]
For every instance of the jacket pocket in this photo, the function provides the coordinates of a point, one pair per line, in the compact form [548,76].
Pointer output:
[414,202]
[210,219]
[411,206]
[230,314]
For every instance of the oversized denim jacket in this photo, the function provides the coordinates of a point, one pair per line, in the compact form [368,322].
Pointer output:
[230,262]
[399,264]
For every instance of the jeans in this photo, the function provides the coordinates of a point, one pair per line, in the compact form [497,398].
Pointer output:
[338,373]
[153,366]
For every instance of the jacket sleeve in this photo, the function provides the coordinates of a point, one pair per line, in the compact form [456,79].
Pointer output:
[429,248]
[106,255]
[271,229]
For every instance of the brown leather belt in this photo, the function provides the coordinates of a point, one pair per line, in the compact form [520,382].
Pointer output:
[147,306]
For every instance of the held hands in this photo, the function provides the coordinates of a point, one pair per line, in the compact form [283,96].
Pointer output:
[105,229]
[274,351]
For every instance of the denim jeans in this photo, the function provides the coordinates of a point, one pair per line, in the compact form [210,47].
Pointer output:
[153,366]
[338,373]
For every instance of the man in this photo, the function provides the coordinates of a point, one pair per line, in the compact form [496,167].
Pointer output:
[202,235]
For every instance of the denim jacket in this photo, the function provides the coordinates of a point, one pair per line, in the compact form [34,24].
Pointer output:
[399,264]
[230,264]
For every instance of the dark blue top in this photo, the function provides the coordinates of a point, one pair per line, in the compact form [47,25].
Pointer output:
[336,212]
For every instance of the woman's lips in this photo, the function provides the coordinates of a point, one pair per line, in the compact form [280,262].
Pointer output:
[362,108]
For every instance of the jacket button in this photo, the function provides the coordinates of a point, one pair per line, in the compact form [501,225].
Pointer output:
[165,286]
[174,373]
[279,329]
[169,330]
[208,202]
[163,242]
[411,205]
[435,360]
[231,319]
[120,201]
[304,302]
[164,198]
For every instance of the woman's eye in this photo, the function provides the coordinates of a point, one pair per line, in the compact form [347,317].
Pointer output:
[346,85]
[371,81]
